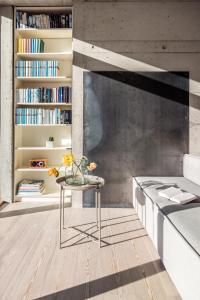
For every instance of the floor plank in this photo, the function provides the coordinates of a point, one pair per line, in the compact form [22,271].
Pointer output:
[32,266]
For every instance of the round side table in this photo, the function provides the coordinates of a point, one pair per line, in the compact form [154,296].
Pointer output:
[95,183]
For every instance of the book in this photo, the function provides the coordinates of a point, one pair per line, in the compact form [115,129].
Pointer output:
[43,21]
[176,195]
[31,116]
[61,94]
[30,45]
[38,68]
[30,187]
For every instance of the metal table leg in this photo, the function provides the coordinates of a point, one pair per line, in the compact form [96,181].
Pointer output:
[61,191]
[99,217]
[63,208]
[96,204]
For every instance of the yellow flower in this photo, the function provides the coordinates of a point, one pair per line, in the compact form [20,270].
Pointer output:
[68,160]
[53,171]
[92,166]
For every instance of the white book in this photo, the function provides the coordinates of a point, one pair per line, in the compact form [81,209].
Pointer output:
[169,192]
[176,195]
[183,198]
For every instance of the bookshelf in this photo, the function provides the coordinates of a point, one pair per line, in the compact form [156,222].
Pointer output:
[49,96]
[46,55]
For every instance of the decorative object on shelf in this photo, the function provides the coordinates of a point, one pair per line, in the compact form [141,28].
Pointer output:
[38,163]
[75,169]
[49,143]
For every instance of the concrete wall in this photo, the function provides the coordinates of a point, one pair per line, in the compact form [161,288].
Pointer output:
[137,36]
[6,102]
[134,125]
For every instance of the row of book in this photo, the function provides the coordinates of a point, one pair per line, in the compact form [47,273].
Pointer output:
[39,116]
[61,94]
[43,21]
[30,45]
[30,187]
[38,68]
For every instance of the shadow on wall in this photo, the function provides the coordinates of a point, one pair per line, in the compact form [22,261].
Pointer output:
[108,283]
[110,60]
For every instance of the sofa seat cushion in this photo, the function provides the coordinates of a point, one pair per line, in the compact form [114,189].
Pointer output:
[186,218]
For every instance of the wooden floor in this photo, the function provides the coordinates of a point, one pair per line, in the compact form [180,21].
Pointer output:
[33,267]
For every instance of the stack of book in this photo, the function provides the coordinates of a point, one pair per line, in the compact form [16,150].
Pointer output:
[30,187]
[38,68]
[30,46]
[43,21]
[38,116]
[61,94]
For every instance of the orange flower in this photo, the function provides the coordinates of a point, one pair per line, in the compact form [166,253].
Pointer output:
[92,166]
[53,171]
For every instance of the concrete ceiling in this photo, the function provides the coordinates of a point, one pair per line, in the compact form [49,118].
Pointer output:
[36,2]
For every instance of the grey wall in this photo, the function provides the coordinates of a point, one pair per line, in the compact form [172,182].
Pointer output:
[6,102]
[135,124]
[136,36]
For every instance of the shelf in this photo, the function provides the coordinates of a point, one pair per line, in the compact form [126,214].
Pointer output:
[27,169]
[45,79]
[58,47]
[53,33]
[42,148]
[64,105]
[47,196]
[40,125]
[51,56]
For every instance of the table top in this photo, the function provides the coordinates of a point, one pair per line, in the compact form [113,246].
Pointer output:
[95,182]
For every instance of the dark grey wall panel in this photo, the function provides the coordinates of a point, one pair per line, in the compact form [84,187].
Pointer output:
[135,124]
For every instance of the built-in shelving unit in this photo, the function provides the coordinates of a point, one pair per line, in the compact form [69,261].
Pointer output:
[47,55]
[41,148]
[30,139]
[53,33]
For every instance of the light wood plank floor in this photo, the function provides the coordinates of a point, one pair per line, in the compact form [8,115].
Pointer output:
[33,267]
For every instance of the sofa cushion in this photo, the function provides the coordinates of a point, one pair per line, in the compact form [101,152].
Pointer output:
[191,167]
[186,218]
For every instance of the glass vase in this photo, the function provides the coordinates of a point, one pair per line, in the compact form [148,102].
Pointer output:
[78,175]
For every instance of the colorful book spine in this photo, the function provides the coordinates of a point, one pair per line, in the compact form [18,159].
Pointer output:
[30,46]
[31,116]
[61,94]
[37,68]
[43,21]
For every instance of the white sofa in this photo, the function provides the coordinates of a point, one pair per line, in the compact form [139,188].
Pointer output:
[173,228]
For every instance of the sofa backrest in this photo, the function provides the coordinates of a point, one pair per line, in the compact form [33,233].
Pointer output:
[191,167]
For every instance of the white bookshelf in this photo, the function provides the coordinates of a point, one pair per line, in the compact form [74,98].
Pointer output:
[61,79]
[46,55]
[53,33]
[63,105]
[42,125]
[41,148]
[30,139]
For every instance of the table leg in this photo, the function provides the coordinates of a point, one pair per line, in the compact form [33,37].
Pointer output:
[60,235]
[99,208]
[96,204]
[63,209]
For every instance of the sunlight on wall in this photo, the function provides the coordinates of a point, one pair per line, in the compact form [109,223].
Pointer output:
[123,62]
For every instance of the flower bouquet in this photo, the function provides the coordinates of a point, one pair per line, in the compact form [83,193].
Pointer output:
[75,169]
